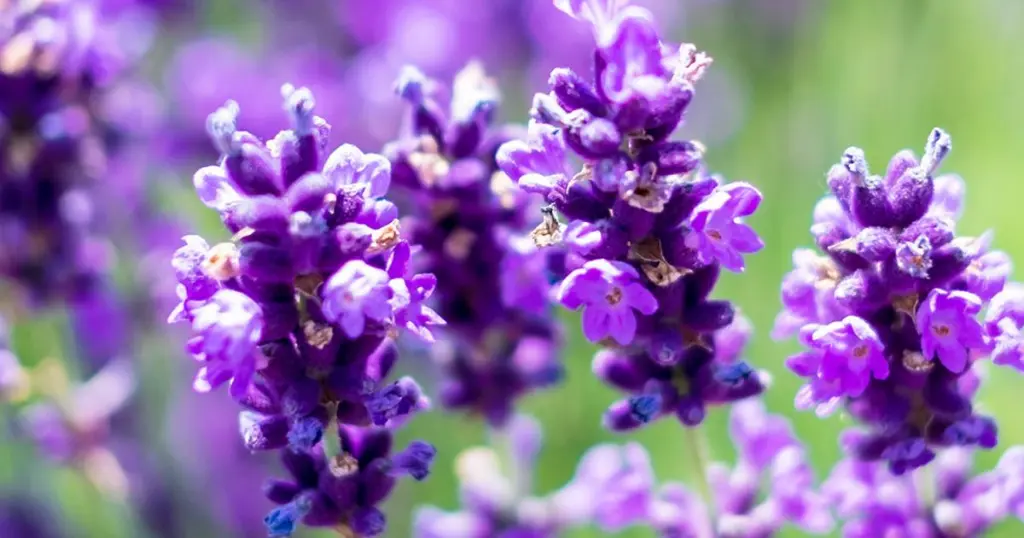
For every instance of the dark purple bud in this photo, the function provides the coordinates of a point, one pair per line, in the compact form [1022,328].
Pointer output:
[668,111]
[266,262]
[637,222]
[972,431]
[263,432]
[619,417]
[282,521]
[691,411]
[874,244]
[305,433]
[645,407]
[280,491]
[937,230]
[415,460]
[632,114]
[265,215]
[907,454]
[253,170]
[310,194]
[948,263]
[674,157]
[583,203]
[943,397]
[573,92]
[701,282]
[898,165]
[862,291]
[619,370]
[666,346]
[591,137]
[829,235]
[368,521]
[709,316]
[911,197]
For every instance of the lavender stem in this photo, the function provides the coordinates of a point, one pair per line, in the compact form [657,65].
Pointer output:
[697,440]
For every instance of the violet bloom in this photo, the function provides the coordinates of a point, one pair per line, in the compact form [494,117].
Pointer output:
[299,308]
[721,235]
[499,503]
[490,281]
[949,501]
[355,293]
[645,230]
[58,64]
[949,327]
[609,293]
[228,328]
[892,260]
[343,491]
[770,485]
[844,354]
[1004,321]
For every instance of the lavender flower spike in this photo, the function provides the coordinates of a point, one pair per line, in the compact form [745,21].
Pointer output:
[497,504]
[500,339]
[890,313]
[770,485]
[299,309]
[644,229]
[948,502]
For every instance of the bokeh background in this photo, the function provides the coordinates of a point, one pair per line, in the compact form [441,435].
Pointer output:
[793,84]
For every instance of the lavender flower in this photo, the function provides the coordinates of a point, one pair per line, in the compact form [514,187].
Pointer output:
[342,492]
[299,309]
[499,503]
[72,425]
[58,63]
[890,315]
[770,485]
[471,224]
[947,502]
[648,230]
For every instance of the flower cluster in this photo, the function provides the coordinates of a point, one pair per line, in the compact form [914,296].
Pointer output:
[297,312]
[946,502]
[471,223]
[53,67]
[771,485]
[647,230]
[500,503]
[890,314]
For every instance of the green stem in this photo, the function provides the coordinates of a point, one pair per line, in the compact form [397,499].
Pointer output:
[331,438]
[698,443]
[924,483]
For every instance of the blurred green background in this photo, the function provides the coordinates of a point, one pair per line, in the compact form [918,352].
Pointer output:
[878,74]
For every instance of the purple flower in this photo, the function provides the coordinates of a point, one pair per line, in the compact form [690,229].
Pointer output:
[608,292]
[298,309]
[355,293]
[228,328]
[892,261]
[949,327]
[720,235]
[850,354]
[499,505]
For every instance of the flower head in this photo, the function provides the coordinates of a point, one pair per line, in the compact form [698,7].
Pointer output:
[890,313]
[609,293]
